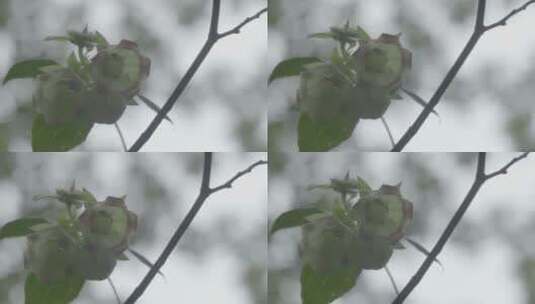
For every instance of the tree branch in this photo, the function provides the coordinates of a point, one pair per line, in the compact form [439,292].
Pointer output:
[479,180]
[212,39]
[229,183]
[479,30]
[204,192]
[480,16]
[503,21]
[237,28]
[504,169]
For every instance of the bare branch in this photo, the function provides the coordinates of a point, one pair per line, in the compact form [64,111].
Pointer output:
[479,30]
[435,99]
[480,17]
[479,180]
[503,21]
[237,28]
[204,192]
[504,169]
[229,183]
[213,38]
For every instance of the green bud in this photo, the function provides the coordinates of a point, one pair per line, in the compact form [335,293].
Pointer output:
[384,213]
[381,62]
[109,225]
[120,69]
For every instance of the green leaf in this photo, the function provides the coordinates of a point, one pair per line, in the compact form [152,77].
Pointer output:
[323,35]
[152,106]
[27,69]
[323,288]
[20,227]
[61,137]
[291,67]
[361,34]
[318,137]
[363,186]
[57,38]
[62,292]
[293,218]
[73,63]
[100,40]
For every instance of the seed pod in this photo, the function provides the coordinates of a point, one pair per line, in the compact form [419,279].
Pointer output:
[109,225]
[324,94]
[50,255]
[381,62]
[384,213]
[58,96]
[121,68]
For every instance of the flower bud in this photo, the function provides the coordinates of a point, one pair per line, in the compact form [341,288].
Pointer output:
[109,225]
[121,68]
[384,213]
[381,62]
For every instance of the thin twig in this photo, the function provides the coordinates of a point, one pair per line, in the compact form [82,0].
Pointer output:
[213,37]
[204,192]
[387,128]
[503,21]
[479,180]
[114,290]
[391,277]
[237,29]
[229,183]
[479,30]
[123,142]
[504,169]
